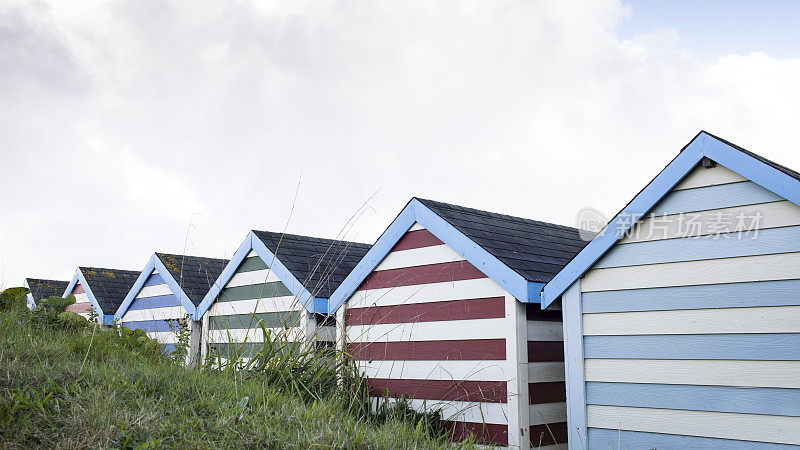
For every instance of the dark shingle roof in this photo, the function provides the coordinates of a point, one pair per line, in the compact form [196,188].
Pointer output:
[320,264]
[46,288]
[109,286]
[536,250]
[194,274]
[766,161]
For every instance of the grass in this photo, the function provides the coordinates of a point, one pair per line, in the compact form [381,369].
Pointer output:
[67,385]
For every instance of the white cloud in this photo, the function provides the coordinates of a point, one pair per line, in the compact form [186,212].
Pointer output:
[123,122]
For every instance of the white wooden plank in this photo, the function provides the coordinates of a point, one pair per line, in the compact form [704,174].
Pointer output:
[782,266]
[82,298]
[251,253]
[545,331]
[416,226]
[702,176]
[257,305]
[779,374]
[758,427]
[250,335]
[541,413]
[252,277]
[545,372]
[465,411]
[429,331]
[435,254]
[755,217]
[433,292]
[163,337]
[437,370]
[169,312]
[767,319]
[154,291]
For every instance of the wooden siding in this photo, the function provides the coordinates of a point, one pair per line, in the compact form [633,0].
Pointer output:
[156,310]
[693,339]
[82,305]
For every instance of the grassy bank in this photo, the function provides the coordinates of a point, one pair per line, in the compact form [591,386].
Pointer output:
[65,385]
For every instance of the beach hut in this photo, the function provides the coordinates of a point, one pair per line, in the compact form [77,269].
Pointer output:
[164,299]
[444,311]
[100,289]
[40,289]
[282,281]
[682,317]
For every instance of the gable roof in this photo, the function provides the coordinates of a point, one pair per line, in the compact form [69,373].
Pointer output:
[311,268]
[194,274]
[518,254]
[105,288]
[768,174]
[41,288]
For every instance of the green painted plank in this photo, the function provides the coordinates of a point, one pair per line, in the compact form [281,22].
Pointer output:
[243,321]
[252,263]
[261,290]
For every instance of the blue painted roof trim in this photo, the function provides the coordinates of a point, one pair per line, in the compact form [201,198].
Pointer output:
[415,211]
[155,263]
[703,145]
[252,242]
[108,319]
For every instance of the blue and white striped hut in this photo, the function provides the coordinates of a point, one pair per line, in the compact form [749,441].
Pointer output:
[682,318]
[165,296]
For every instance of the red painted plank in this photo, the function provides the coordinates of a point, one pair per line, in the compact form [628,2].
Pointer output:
[456,350]
[453,390]
[416,239]
[541,351]
[78,289]
[551,392]
[476,308]
[79,308]
[542,435]
[485,433]
[429,273]
[534,311]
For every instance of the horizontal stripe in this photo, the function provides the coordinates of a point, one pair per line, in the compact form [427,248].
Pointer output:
[762,319]
[251,263]
[160,301]
[534,312]
[79,308]
[167,312]
[154,291]
[728,245]
[423,293]
[731,295]
[778,374]
[714,197]
[600,438]
[154,279]
[432,273]
[416,239]
[253,334]
[541,413]
[252,277]
[778,429]
[543,372]
[268,320]
[82,298]
[422,256]
[263,290]
[547,392]
[163,337]
[780,402]
[416,226]
[467,391]
[729,270]
[255,305]
[228,350]
[702,176]
[539,351]
[149,325]
[436,370]
[428,331]
[465,411]
[78,289]
[775,347]
[483,433]
[466,349]
[545,331]
[168,348]
[754,217]
[542,435]
[476,308]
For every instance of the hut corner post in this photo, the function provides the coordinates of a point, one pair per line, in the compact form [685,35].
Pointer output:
[517,351]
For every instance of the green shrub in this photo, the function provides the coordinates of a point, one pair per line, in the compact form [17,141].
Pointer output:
[71,319]
[14,298]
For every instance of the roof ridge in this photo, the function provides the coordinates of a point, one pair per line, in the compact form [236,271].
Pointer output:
[191,256]
[306,237]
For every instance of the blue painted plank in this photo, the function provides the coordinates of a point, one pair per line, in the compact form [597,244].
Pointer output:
[604,439]
[150,326]
[154,279]
[772,401]
[750,347]
[728,295]
[728,245]
[714,197]
[160,301]
[168,348]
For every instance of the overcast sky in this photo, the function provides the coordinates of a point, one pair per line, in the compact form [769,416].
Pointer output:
[122,123]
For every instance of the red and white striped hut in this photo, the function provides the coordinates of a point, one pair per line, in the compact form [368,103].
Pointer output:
[444,311]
